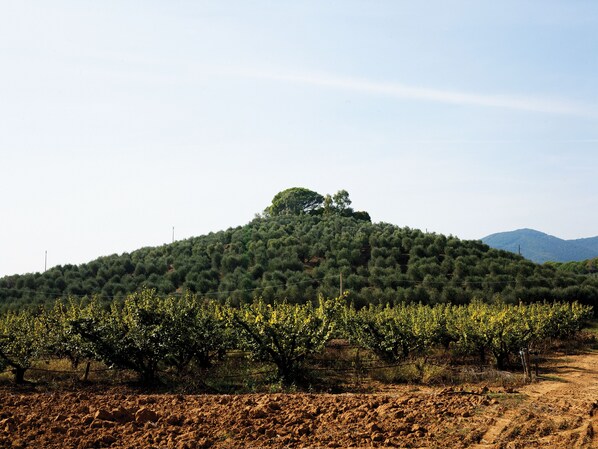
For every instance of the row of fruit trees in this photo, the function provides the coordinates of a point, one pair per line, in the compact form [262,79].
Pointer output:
[149,333]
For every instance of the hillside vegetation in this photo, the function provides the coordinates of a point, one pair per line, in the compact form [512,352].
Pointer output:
[296,254]
[589,267]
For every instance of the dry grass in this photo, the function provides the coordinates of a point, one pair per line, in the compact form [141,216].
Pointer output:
[342,367]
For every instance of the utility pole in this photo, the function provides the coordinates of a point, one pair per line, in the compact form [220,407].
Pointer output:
[519,250]
[46,261]
[173,234]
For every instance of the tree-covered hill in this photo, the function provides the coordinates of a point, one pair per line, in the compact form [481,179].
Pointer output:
[298,256]
[588,267]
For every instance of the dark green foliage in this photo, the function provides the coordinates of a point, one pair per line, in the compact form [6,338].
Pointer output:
[299,201]
[589,266]
[295,201]
[298,257]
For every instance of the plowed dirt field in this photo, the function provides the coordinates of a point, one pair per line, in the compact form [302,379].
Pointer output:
[560,411]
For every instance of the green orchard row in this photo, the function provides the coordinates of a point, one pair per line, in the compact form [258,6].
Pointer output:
[149,333]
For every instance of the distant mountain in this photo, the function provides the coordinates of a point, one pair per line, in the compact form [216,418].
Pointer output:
[540,247]
[590,243]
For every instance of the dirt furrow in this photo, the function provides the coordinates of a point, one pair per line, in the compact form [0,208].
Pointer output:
[560,412]
[555,413]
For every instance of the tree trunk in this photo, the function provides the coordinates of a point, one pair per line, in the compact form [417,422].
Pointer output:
[525,362]
[287,372]
[148,375]
[501,360]
[86,375]
[20,375]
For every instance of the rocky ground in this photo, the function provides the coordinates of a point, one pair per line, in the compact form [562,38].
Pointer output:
[560,411]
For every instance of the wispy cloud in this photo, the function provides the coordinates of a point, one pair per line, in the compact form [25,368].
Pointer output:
[410,92]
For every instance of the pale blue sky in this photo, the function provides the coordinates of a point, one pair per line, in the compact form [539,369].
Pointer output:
[122,119]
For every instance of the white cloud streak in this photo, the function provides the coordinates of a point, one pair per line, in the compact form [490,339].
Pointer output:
[409,92]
